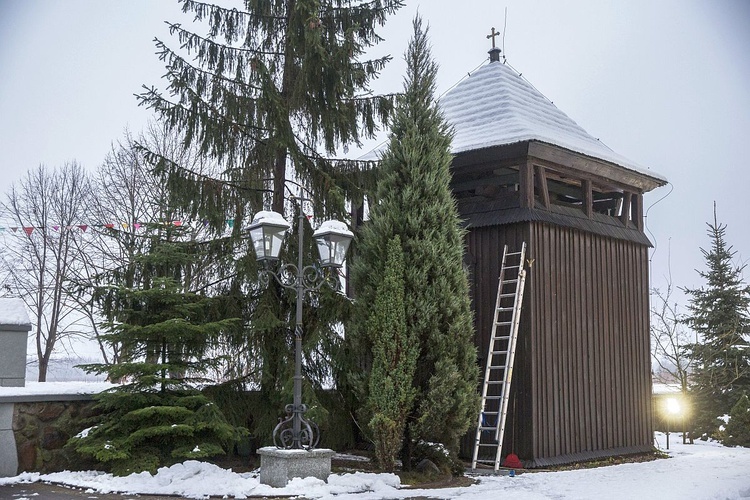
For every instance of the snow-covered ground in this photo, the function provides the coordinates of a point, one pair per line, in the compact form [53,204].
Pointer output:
[700,471]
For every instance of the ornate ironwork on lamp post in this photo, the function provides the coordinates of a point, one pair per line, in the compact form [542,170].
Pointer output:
[332,238]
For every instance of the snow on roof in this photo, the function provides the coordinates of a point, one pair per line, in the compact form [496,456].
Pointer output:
[495,106]
[13,312]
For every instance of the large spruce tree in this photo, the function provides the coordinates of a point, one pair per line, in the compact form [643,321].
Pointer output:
[271,93]
[414,201]
[719,313]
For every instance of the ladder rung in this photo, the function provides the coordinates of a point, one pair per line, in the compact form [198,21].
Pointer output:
[513,253]
[506,295]
[505,309]
[510,281]
[503,323]
[498,352]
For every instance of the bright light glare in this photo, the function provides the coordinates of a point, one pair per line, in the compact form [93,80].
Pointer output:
[673,406]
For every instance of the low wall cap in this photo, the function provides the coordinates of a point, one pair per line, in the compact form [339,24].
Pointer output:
[13,312]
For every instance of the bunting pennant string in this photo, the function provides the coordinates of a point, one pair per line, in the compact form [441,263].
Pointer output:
[28,230]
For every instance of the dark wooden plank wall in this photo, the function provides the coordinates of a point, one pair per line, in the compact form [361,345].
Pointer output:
[582,378]
[485,246]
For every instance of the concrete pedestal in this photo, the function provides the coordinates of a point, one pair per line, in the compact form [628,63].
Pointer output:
[278,467]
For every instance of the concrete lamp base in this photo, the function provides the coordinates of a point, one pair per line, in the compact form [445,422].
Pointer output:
[278,467]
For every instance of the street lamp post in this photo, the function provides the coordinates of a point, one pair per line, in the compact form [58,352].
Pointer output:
[332,238]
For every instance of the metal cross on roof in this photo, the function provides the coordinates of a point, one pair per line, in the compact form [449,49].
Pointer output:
[493,35]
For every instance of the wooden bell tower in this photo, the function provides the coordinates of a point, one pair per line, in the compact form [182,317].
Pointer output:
[523,171]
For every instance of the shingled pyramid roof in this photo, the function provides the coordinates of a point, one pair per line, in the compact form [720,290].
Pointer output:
[495,106]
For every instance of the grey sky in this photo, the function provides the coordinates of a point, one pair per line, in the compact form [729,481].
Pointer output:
[662,83]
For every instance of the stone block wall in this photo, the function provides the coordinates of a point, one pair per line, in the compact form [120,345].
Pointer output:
[41,430]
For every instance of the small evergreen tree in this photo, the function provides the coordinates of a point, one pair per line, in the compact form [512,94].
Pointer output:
[719,313]
[414,201]
[157,416]
[394,359]
[737,431]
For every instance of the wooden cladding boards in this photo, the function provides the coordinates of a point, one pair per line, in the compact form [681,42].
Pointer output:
[485,245]
[582,376]
[590,342]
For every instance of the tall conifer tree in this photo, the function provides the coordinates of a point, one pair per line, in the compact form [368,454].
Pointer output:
[271,93]
[720,314]
[414,201]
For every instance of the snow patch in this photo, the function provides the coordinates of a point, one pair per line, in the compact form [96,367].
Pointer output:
[13,312]
[56,388]
[85,432]
[269,217]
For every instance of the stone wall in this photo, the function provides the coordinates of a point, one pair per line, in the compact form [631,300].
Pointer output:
[41,430]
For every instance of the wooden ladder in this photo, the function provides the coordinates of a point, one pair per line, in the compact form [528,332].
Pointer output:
[498,373]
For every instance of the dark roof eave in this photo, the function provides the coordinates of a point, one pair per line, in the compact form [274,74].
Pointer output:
[622,174]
